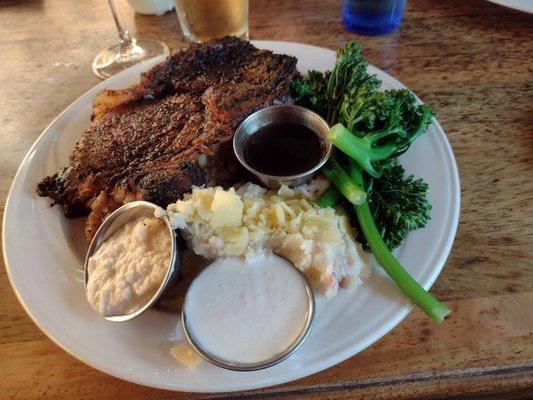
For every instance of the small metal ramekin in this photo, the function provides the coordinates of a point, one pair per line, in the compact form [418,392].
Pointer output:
[278,114]
[117,219]
[276,358]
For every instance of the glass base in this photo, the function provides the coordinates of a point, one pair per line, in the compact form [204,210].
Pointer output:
[372,17]
[119,57]
[366,30]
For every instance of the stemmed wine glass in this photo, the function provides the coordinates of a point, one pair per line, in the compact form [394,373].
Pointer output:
[128,52]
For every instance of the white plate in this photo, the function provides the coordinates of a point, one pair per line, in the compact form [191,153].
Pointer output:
[521,5]
[44,252]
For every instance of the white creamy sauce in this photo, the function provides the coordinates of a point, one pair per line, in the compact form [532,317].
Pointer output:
[247,310]
[129,267]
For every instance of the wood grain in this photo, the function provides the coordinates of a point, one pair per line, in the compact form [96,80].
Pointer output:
[471,60]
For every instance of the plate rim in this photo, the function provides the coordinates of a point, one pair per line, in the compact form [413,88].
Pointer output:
[513,5]
[141,67]
[330,361]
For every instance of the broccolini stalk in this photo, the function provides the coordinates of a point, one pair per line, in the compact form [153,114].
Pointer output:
[336,175]
[362,149]
[398,204]
[377,127]
[431,306]
[329,198]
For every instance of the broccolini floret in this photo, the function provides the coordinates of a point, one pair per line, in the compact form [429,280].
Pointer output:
[398,204]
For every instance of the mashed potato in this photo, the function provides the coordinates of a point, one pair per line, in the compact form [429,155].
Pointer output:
[250,220]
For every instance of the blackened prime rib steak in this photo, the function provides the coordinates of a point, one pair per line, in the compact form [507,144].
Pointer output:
[155,140]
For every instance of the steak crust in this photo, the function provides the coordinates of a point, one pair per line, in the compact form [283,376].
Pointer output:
[173,130]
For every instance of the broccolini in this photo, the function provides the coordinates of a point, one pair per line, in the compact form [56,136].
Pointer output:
[373,128]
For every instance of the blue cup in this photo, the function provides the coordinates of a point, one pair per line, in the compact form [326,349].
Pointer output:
[372,17]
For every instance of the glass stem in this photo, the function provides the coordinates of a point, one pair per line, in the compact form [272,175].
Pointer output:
[123,34]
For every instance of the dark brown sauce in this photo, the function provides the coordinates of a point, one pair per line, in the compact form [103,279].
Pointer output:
[283,149]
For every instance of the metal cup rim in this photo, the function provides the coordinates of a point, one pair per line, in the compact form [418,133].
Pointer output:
[261,175]
[275,359]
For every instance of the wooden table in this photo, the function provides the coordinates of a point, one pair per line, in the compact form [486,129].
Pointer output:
[471,60]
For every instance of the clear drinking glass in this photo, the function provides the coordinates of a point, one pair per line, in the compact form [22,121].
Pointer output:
[372,17]
[129,51]
[202,20]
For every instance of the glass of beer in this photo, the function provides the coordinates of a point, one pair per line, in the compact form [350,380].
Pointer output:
[202,20]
